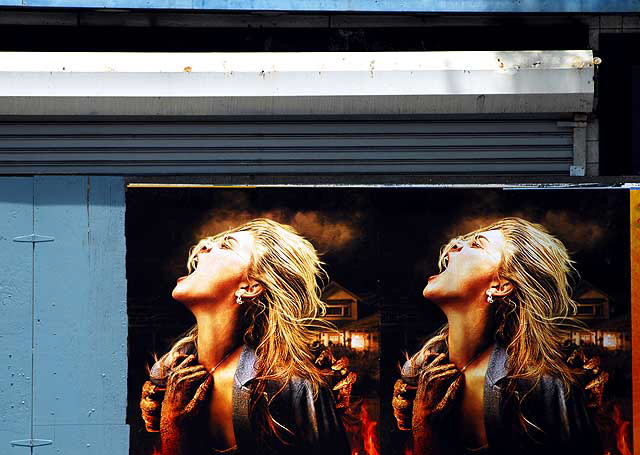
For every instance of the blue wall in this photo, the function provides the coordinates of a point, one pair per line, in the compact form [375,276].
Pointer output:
[436,6]
[65,339]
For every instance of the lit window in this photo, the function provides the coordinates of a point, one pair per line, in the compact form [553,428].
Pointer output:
[610,341]
[357,341]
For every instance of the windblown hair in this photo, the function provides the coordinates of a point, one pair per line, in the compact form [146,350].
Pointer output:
[281,322]
[535,319]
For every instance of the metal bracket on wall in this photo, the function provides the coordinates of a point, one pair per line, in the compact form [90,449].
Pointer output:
[31,443]
[577,171]
[579,126]
[34,238]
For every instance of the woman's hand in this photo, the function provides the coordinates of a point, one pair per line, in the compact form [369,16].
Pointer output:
[187,386]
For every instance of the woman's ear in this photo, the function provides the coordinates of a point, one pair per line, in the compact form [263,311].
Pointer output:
[503,288]
[250,290]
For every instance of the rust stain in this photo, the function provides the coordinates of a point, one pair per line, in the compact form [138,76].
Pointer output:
[634,198]
[579,63]
[187,69]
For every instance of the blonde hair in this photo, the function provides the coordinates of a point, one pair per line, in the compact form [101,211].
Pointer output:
[535,319]
[282,321]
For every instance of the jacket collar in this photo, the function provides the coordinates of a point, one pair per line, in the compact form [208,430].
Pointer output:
[496,371]
[497,368]
[246,370]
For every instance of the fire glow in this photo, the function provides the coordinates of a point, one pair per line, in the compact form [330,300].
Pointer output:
[623,433]
[370,443]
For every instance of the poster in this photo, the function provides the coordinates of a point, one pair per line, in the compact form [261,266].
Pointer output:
[380,246]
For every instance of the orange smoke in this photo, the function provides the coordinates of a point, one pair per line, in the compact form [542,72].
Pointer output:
[575,232]
[325,232]
[468,224]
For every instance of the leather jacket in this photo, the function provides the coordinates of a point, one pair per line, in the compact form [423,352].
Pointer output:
[314,424]
[560,418]
[564,423]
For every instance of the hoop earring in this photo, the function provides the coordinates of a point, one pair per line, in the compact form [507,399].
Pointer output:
[490,295]
[239,300]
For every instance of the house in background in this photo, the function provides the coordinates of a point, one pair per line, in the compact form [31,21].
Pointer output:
[342,304]
[594,310]
[593,304]
[355,329]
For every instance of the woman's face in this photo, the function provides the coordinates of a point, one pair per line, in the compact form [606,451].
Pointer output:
[221,269]
[472,269]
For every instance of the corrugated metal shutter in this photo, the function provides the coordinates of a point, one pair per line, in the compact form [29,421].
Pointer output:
[528,146]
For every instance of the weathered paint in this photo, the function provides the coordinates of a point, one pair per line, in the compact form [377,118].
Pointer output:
[79,322]
[296,83]
[420,6]
[16,301]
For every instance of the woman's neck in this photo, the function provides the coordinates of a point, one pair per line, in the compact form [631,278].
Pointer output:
[469,334]
[218,334]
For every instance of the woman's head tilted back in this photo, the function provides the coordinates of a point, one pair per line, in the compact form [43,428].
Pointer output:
[275,274]
[534,317]
[279,321]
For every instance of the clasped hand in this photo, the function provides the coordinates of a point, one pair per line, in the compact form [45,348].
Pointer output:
[437,387]
[186,390]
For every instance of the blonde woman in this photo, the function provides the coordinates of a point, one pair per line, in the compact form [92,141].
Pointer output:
[495,379]
[243,381]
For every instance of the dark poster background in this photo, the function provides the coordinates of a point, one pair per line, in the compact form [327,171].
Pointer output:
[379,244]
[593,225]
[161,225]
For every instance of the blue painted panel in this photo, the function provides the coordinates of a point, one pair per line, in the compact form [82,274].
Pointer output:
[16,219]
[80,315]
[437,6]
[83,440]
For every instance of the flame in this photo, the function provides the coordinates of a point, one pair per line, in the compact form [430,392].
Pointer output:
[622,432]
[368,431]
[370,436]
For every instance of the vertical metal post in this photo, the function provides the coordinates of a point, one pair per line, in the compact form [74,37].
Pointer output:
[579,167]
